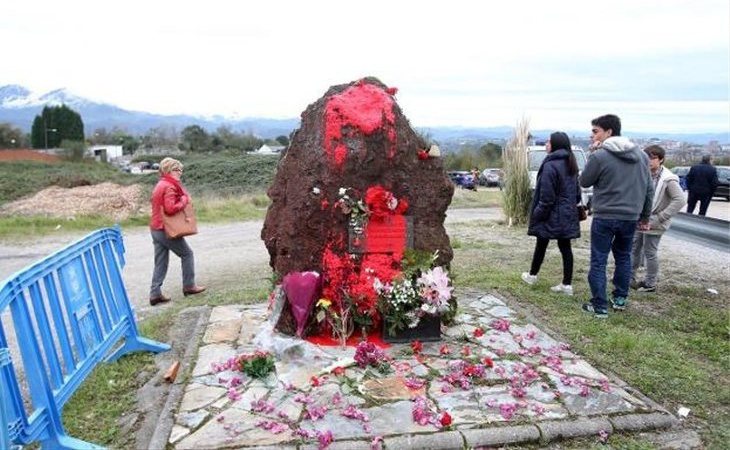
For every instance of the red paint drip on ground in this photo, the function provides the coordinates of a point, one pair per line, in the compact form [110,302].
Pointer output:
[373,337]
[362,107]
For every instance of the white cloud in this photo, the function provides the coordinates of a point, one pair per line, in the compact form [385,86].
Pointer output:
[455,63]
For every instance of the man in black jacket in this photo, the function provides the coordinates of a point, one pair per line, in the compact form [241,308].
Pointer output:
[701,183]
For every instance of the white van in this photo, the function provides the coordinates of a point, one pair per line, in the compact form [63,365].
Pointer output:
[536,154]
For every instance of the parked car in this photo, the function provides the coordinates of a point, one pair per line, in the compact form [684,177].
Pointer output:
[462,179]
[491,177]
[723,189]
[681,172]
[535,155]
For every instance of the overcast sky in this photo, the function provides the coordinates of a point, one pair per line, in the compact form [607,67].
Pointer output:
[662,65]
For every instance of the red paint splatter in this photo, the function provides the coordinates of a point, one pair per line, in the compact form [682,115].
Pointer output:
[363,108]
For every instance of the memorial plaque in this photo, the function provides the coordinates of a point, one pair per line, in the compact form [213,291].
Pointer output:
[393,234]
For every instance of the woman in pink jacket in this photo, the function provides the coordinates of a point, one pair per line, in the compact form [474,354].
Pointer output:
[170,195]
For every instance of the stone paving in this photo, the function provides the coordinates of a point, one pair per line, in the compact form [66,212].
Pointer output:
[536,390]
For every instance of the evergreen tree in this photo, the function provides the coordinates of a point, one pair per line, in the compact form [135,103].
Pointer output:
[66,122]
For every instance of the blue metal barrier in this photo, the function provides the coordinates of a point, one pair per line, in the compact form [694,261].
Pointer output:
[69,312]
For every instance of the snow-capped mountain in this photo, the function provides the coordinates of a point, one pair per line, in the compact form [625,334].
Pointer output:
[19,106]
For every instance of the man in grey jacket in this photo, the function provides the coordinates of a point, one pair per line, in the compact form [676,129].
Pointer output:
[622,194]
[668,200]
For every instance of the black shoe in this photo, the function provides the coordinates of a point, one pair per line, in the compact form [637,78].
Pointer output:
[157,300]
[643,287]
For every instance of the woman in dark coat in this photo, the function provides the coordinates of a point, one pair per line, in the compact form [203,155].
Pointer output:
[554,212]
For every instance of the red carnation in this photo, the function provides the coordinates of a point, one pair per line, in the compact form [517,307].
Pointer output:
[488,362]
[338,371]
[478,332]
[445,419]
[422,155]
[416,346]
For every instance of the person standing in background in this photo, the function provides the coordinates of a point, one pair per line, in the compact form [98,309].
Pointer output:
[554,213]
[622,194]
[668,200]
[701,184]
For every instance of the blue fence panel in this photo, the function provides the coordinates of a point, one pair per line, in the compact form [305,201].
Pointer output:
[69,312]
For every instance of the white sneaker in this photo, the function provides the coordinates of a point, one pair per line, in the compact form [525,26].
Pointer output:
[529,279]
[563,288]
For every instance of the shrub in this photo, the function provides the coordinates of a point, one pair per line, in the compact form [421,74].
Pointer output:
[516,192]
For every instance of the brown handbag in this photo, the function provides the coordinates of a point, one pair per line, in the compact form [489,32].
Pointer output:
[180,224]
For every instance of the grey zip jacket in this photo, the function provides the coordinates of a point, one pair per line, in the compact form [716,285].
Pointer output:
[619,173]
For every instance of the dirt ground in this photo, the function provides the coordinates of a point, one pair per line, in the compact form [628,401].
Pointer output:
[106,199]
[27,155]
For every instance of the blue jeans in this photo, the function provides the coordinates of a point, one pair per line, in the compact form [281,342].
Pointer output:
[616,236]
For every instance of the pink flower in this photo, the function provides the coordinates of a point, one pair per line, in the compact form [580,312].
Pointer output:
[603,436]
[500,324]
[325,439]
[414,383]
[444,350]
[376,443]
[478,332]
[507,410]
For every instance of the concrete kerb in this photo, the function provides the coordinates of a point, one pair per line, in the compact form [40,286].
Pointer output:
[448,440]
[498,436]
[166,419]
[556,430]
[642,422]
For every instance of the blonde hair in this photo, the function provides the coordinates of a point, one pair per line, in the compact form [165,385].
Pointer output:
[167,165]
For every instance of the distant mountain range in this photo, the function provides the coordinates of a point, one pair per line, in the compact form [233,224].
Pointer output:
[19,106]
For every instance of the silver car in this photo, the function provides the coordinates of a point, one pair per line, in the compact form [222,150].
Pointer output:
[536,154]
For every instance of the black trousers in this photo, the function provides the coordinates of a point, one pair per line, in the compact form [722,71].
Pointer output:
[565,250]
[692,200]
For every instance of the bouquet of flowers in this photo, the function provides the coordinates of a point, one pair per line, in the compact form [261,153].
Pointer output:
[414,294]
[256,365]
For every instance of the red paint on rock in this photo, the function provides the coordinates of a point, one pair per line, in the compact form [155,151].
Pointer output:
[363,108]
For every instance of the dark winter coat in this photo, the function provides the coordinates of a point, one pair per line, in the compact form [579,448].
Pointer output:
[554,214]
[702,179]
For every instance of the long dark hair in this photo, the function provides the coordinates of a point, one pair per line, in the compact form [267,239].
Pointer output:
[560,140]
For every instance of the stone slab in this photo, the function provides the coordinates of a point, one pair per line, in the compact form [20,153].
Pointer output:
[223,331]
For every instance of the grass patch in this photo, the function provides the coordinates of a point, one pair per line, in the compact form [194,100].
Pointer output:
[675,357]
[464,198]
[209,209]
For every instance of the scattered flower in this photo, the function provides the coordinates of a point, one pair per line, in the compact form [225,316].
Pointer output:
[478,332]
[273,427]
[338,371]
[500,324]
[445,420]
[376,443]
[417,346]
[414,383]
[507,410]
[487,361]
[603,436]
[444,350]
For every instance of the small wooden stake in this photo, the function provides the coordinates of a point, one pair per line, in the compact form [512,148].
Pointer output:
[171,373]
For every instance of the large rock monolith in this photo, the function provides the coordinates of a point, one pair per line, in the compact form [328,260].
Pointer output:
[355,141]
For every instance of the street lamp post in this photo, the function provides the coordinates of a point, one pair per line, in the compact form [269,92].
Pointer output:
[46,130]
